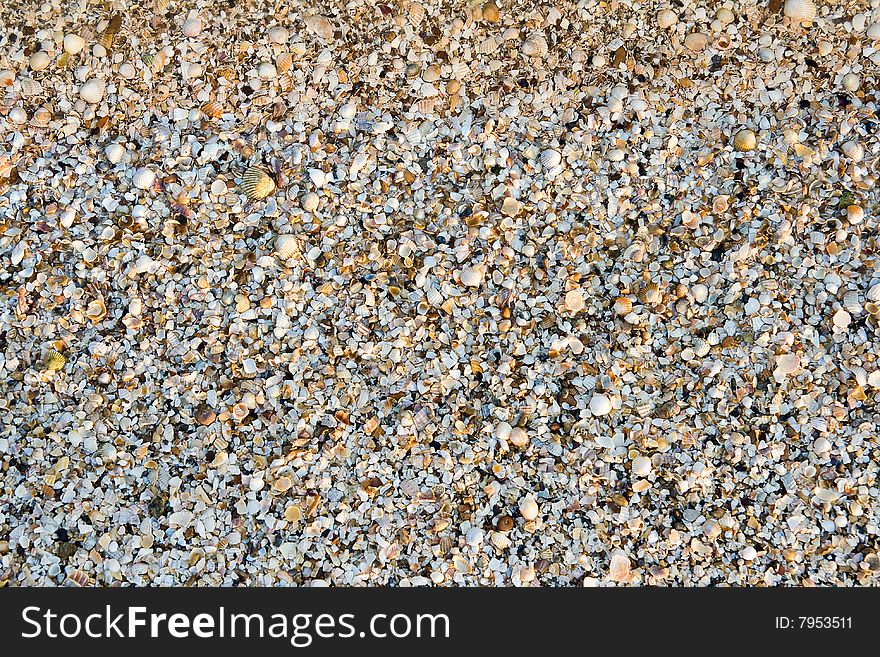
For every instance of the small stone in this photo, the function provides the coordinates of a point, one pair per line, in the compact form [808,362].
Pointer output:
[505,523]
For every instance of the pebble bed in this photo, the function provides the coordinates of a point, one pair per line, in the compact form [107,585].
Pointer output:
[439,293]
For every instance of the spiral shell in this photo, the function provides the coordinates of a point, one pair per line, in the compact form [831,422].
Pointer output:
[55,360]
[285,246]
[802,11]
[256,183]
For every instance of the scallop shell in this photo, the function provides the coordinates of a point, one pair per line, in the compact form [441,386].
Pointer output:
[92,91]
[487,46]
[474,536]
[802,11]
[286,245]
[115,152]
[853,150]
[55,360]
[745,140]
[550,158]
[256,183]
[535,46]
[144,178]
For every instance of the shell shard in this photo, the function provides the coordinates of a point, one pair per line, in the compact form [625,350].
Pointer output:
[108,35]
[257,184]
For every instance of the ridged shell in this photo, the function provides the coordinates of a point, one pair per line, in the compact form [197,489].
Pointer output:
[55,360]
[286,246]
[550,158]
[212,109]
[874,292]
[853,150]
[434,297]
[107,37]
[487,46]
[78,578]
[745,140]
[803,11]
[852,303]
[191,27]
[256,183]
[416,13]
[115,152]
[279,35]
[283,62]
[535,46]
[143,178]
[320,26]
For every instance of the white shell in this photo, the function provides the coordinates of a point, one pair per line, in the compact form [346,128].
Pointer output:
[841,319]
[320,26]
[115,152]
[802,11]
[310,202]
[267,71]
[143,178]
[471,276]
[92,91]
[851,82]
[550,158]
[874,292]
[535,46]
[17,115]
[286,246]
[618,571]
[192,27]
[487,46]
[528,507]
[788,363]
[666,18]
[503,430]
[873,32]
[474,536]
[600,404]
[574,300]
[73,44]
[434,297]
[39,60]
[279,35]
[641,466]
[853,150]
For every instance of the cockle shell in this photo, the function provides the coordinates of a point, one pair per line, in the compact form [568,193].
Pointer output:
[619,569]
[55,360]
[92,91]
[279,35]
[518,437]
[623,306]
[600,404]
[788,363]
[852,303]
[310,202]
[144,178]
[39,60]
[283,62]
[434,297]
[574,300]
[802,11]
[666,18]
[106,38]
[487,46]
[213,109]
[286,245]
[471,276]
[550,158]
[256,183]
[191,27]
[474,536]
[853,150]
[873,32]
[745,140]
[696,41]
[73,44]
[115,152]
[535,45]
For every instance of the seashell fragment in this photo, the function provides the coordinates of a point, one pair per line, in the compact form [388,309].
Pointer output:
[257,184]
[801,11]
[518,437]
[96,311]
[310,202]
[841,319]
[106,38]
[853,150]
[320,26]
[510,206]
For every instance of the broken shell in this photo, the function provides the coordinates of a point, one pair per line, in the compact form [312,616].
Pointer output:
[802,11]
[96,311]
[286,246]
[745,140]
[619,569]
[257,184]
